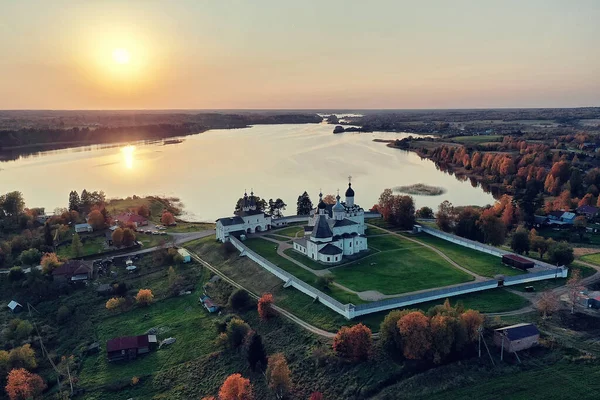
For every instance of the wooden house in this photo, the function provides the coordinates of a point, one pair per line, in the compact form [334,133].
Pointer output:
[129,347]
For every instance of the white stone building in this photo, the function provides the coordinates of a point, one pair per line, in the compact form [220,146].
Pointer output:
[246,220]
[334,230]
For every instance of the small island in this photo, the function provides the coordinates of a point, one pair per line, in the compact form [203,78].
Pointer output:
[421,189]
[341,129]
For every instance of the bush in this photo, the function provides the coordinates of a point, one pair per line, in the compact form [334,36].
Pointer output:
[16,274]
[30,257]
[63,314]
[324,282]
[240,300]
[18,330]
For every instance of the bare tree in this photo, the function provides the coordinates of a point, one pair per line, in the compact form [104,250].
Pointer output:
[574,287]
[547,304]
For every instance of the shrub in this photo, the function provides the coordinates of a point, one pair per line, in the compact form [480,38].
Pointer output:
[22,384]
[63,314]
[145,297]
[30,257]
[236,387]
[18,330]
[236,331]
[265,309]
[240,300]
[114,303]
[16,274]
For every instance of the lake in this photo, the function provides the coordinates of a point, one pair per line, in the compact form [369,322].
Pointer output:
[210,171]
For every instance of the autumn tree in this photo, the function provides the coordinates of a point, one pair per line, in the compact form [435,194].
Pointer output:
[96,220]
[389,335]
[128,237]
[236,387]
[316,396]
[117,237]
[167,218]
[445,216]
[115,303]
[560,253]
[24,385]
[76,246]
[353,343]
[49,262]
[278,375]
[236,331]
[586,200]
[255,350]
[519,242]
[492,227]
[472,320]
[143,211]
[547,304]
[144,297]
[467,224]
[416,335]
[442,336]
[329,199]
[265,306]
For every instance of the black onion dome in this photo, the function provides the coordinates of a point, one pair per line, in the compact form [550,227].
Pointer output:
[349,191]
[322,205]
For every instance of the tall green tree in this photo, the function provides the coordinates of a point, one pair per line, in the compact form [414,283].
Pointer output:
[519,241]
[560,253]
[304,204]
[76,246]
[74,201]
[12,204]
[255,351]
[48,238]
[276,207]
[494,231]
[86,200]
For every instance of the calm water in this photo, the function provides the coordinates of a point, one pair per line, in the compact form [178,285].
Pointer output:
[210,171]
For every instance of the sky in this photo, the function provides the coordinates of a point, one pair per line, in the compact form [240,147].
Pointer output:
[274,54]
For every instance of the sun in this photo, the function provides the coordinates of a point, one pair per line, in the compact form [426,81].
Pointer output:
[121,56]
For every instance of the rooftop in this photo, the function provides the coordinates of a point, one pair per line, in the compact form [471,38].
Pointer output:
[519,331]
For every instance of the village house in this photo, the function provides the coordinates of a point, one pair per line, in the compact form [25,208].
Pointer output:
[15,307]
[589,212]
[74,271]
[130,218]
[82,228]
[185,254]
[208,304]
[516,337]
[129,347]
[561,218]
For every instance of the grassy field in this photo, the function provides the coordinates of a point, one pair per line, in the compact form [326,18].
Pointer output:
[92,245]
[305,260]
[592,258]
[291,231]
[480,263]
[540,286]
[389,242]
[400,271]
[477,139]
[370,231]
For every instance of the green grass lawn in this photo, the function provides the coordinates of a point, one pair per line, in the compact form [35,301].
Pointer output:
[290,231]
[305,260]
[477,139]
[591,258]
[92,245]
[279,238]
[400,271]
[480,263]
[370,231]
[268,250]
[181,317]
[152,240]
[389,242]
[183,227]
[547,284]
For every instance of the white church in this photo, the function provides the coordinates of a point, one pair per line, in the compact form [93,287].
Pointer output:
[334,230]
[247,220]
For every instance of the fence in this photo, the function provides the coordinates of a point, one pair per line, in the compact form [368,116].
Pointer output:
[480,246]
[350,310]
[291,280]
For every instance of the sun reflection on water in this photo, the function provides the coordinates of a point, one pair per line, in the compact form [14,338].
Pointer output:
[128,155]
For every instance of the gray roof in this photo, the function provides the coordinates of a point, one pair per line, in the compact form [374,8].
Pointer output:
[321,229]
[13,304]
[344,222]
[519,331]
[243,213]
[231,221]
[330,250]
[301,242]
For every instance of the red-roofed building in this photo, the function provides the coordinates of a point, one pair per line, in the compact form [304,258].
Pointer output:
[131,218]
[74,271]
[129,347]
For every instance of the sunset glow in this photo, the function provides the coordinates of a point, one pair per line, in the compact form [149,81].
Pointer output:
[121,56]
[128,155]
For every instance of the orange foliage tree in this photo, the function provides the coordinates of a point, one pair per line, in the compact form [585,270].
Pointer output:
[278,375]
[23,385]
[265,309]
[329,199]
[96,220]
[143,211]
[415,333]
[144,297]
[128,237]
[114,303]
[353,342]
[472,321]
[167,218]
[236,387]
[117,237]
[49,262]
